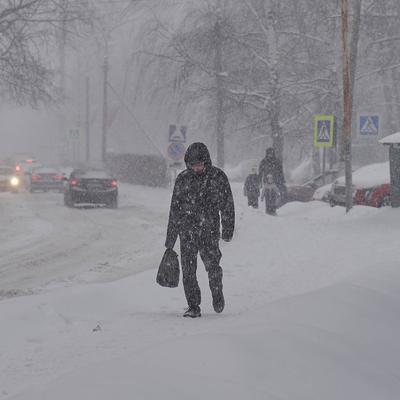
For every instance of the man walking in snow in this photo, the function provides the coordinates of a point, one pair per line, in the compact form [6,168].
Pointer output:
[201,203]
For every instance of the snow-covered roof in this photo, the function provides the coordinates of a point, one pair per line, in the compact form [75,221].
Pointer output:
[391,139]
[370,175]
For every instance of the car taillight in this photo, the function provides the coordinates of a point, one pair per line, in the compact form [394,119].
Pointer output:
[74,182]
[35,178]
[114,183]
[57,177]
[18,168]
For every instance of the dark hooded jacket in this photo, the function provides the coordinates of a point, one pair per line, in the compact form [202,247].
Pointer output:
[201,202]
[270,164]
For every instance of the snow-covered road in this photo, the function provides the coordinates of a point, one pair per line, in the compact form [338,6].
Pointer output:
[44,243]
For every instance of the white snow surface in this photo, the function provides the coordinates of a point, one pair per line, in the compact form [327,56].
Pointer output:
[370,175]
[302,172]
[312,304]
[391,139]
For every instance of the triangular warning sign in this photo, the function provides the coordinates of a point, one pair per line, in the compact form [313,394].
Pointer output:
[369,127]
[324,132]
[176,135]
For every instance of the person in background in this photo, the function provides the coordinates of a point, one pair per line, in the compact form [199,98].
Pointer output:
[251,188]
[270,194]
[201,204]
[271,164]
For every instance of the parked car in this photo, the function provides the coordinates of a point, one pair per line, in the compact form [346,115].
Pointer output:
[45,179]
[305,192]
[301,193]
[9,181]
[91,186]
[371,187]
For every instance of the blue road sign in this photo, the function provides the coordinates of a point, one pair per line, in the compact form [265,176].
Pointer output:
[176,151]
[368,125]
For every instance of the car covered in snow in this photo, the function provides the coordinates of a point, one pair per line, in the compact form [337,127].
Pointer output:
[305,192]
[371,187]
[90,186]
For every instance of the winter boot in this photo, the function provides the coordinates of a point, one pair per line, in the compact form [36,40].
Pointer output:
[192,312]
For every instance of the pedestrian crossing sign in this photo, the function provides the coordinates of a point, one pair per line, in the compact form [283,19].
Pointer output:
[368,125]
[177,135]
[323,130]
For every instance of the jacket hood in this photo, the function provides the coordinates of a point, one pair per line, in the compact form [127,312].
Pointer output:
[270,152]
[197,152]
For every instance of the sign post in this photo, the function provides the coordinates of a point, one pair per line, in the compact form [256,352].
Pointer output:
[323,136]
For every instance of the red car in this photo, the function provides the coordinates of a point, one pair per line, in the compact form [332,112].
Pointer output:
[377,196]
[371,187]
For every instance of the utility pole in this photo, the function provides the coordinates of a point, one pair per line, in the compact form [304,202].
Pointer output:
[347,106]
[105,122]
[64,152]
[87,119]
[219,94]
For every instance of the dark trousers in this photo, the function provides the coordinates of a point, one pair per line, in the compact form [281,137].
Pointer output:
[252,200]
[210,254]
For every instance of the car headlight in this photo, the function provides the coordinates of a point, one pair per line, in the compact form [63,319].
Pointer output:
[14,181]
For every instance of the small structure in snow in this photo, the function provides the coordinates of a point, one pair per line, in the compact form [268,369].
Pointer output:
[393,141]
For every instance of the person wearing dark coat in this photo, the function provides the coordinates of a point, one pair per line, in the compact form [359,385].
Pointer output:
[251,188]
[201,204]
[271,165]
[270,194]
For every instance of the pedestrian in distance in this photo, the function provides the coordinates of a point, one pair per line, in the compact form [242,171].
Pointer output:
[270,194]
[251,188]
[201,204]
[271,164]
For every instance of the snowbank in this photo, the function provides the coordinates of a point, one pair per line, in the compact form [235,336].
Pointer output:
[312,306]
[370,175]
[337,343]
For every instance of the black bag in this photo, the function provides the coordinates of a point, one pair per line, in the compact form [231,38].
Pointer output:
[168,271]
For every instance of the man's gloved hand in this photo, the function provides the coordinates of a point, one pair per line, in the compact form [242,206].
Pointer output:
[226,236]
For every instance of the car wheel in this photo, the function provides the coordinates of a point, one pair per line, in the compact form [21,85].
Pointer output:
[67,201]
[385,202]
[113,203]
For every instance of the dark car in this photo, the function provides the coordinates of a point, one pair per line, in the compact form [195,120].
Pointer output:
[45,179]
[91,186]
[9,181]
[305,192]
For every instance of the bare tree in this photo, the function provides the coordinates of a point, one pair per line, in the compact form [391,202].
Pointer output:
[26,41]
